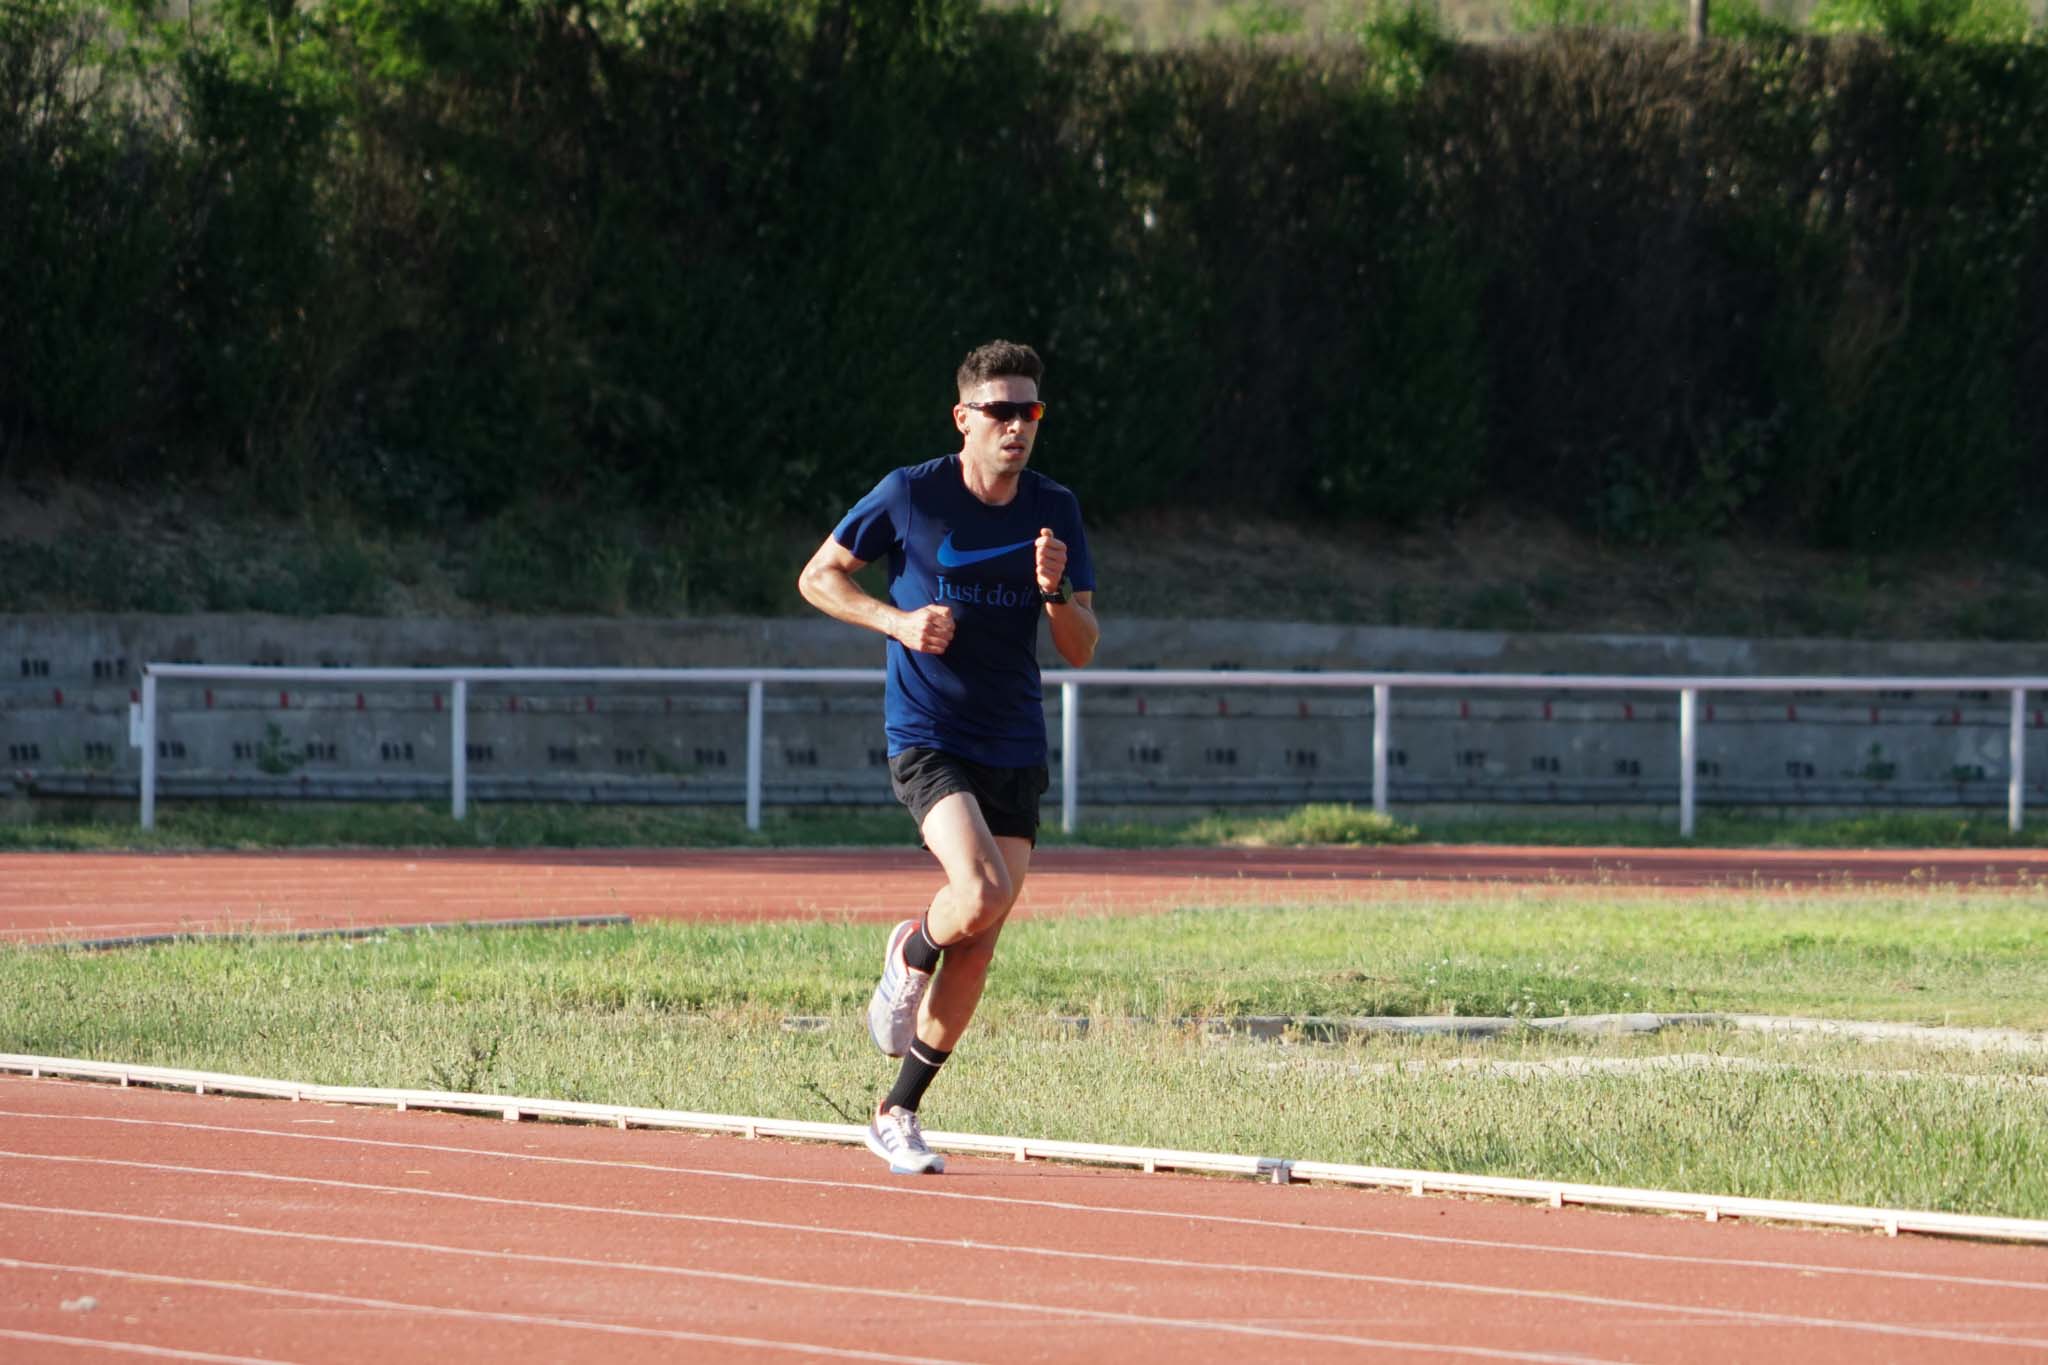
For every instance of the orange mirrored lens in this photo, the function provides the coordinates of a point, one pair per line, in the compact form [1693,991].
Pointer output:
[1010,412]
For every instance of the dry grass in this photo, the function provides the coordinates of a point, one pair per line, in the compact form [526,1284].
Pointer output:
[75,548]
[1496,570]
[1151,24]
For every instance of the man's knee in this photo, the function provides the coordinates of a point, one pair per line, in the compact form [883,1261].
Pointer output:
[983,900]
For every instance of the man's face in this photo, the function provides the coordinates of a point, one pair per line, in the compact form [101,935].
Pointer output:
[998,448]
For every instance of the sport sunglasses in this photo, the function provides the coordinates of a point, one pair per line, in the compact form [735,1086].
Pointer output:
[1010,412]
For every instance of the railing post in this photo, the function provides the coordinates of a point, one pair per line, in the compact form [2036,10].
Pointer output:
[1070,756]
[458,745]
[1688,757]
[754,708]
[148,750]
[2016,783]
[1382,696]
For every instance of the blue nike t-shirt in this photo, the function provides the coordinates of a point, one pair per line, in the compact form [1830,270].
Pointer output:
[981,699]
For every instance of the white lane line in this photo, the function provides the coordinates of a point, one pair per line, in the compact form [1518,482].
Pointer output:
[772,1282]
[250,912]
[912,1190]
[473,1314]
[94,927]
[131,1348]
[1696,1312]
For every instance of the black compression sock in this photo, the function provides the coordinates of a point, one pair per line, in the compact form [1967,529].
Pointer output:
[920,954]
[920,1065]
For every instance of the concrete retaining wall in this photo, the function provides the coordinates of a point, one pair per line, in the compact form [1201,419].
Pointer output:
[66,683]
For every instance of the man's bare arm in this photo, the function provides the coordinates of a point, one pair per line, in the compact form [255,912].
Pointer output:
[827,584]
[1075,631]
[1074,627]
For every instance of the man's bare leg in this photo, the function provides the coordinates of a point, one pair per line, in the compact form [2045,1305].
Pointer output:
[984,873]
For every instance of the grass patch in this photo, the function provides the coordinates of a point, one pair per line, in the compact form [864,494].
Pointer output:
[693,1016]
[1924,956]
[313,824]
[1921,956]
[1749,829]
[1796,1131]
[1324,823]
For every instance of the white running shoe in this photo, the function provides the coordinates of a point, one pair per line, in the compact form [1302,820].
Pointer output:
[892,1009]
[894,1136]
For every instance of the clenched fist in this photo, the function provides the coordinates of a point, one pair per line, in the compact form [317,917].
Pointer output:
[1051,555]
[928,630]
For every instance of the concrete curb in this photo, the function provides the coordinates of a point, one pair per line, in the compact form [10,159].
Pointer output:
[1327,1029]
[1333,1029]
[1277,1170]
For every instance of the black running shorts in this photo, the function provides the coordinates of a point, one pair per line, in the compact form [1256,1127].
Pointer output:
[1008,797]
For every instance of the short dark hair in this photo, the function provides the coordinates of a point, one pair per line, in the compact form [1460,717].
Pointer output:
[996,360]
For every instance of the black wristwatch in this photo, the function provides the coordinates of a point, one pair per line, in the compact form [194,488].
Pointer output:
[1062,594]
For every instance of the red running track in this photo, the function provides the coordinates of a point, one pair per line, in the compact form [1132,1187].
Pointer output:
[167,1224]
[247,1229]
[55,896]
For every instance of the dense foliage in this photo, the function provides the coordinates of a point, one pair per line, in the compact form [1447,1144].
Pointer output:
[529,264]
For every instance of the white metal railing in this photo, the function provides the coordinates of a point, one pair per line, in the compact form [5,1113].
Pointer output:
[1070,682]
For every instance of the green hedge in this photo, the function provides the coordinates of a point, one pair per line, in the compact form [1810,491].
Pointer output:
[709,264]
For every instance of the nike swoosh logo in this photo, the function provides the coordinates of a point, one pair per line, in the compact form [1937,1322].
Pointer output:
[955,558]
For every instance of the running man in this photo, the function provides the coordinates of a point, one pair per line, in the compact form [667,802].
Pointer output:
[978,548]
